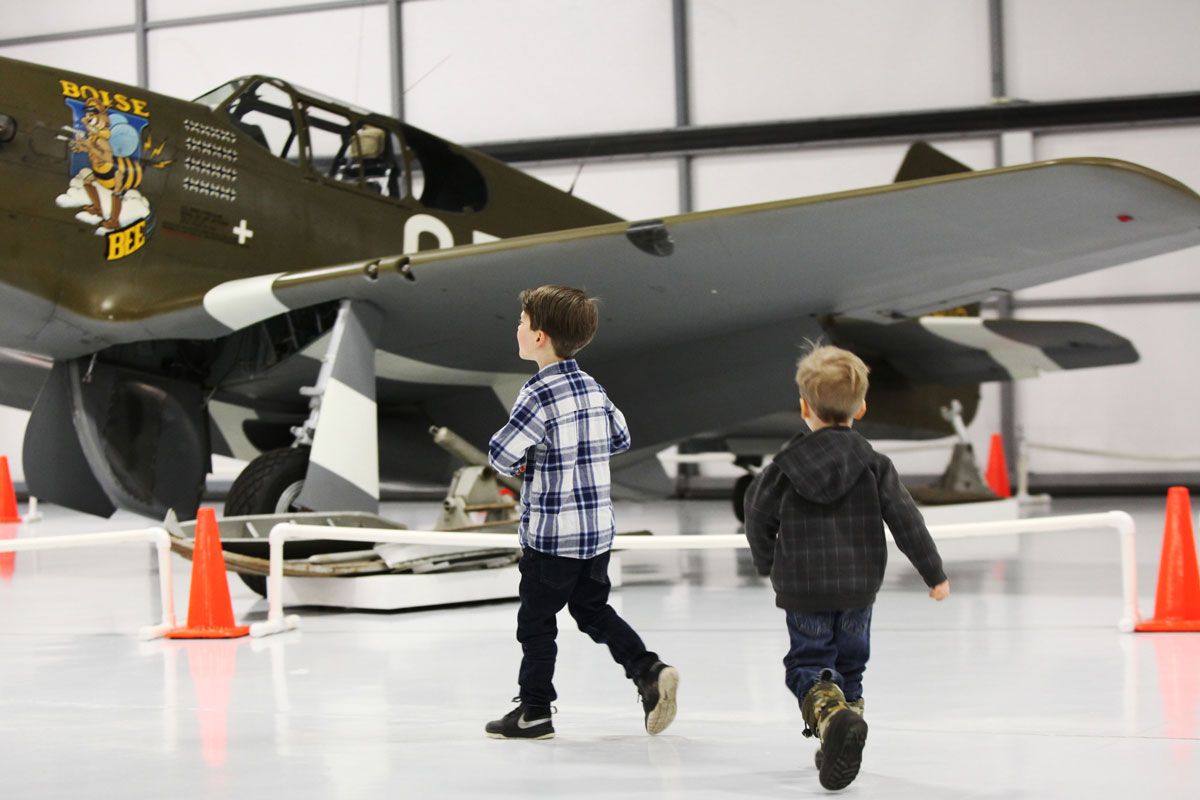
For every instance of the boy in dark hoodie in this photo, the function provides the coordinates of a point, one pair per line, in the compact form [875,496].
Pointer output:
[814,522]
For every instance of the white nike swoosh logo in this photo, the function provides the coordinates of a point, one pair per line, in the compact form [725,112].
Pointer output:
[523,723]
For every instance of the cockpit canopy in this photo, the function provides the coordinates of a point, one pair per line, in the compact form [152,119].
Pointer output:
[351,146]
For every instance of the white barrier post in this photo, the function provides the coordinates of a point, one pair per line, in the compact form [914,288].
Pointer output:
[277,622]
[1120,520]
[161,539]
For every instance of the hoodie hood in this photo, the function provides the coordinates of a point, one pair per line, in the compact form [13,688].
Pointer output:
[824,465]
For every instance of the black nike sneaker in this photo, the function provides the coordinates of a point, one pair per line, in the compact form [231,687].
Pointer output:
[523,722]
[657,688]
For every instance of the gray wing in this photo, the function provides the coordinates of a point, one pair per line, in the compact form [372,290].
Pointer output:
[883,253]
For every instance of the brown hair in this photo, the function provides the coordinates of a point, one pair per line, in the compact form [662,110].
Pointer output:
[568,316]
[833,381]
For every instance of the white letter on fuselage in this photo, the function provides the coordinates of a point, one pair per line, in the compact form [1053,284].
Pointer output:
[417,224]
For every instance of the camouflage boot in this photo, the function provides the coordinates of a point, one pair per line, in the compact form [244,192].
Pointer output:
[858,705]
[841,729]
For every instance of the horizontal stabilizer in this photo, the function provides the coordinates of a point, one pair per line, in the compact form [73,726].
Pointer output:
[960,350]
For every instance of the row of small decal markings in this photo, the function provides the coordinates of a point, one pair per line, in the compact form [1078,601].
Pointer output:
[211,169]
[210,143]
[211,150]
[209,189]
[211,131]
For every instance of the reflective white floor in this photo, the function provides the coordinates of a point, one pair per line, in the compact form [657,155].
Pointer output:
[1017,686]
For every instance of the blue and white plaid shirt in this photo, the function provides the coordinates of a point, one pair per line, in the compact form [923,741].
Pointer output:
[563,429]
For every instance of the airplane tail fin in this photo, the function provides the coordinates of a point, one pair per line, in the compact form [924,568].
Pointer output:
[925,161]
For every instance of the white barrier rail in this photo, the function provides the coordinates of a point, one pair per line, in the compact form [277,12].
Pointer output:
[161,540]
[276,622]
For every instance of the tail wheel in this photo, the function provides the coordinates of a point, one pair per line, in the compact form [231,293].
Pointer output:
[269,484]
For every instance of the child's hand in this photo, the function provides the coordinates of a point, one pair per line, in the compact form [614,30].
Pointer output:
[941,591]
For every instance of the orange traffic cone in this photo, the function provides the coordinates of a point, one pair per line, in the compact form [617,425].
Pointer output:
[8,497]
[210,611]
[997,469]
[1177,604]
[8,560]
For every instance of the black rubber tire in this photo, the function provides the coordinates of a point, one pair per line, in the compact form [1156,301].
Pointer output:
[739,496]
[261,488]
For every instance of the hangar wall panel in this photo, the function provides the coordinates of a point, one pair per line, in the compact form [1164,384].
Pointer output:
[537,68]
[733,180]
[23,18]
[631,189]
[157,10]
[1146,409]
[341,53]
[79,55]
[1059,49]
[798,59]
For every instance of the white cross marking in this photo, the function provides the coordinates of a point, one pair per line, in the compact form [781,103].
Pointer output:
[243,233]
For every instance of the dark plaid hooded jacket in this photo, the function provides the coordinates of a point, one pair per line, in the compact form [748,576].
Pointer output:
[814,521]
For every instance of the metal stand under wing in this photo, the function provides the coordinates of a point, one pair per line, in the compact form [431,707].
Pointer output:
[360,574]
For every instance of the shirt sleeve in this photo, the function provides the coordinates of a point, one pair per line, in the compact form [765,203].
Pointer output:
[904,520]
[526,427]
[762,518]
[620,431]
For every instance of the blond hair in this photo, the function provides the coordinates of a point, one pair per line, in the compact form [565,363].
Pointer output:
[834,383]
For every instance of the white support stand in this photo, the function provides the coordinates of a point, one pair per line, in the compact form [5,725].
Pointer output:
[33,515]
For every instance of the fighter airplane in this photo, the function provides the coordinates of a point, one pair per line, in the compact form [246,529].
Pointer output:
[268,273]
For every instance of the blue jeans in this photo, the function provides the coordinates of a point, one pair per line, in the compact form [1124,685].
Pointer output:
[837,641]
[547,584]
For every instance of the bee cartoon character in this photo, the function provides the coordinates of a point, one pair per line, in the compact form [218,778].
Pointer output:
[100,140]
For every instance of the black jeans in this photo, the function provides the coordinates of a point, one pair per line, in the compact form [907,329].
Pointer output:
[547,584]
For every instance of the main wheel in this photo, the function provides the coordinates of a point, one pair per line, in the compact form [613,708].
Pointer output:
[269,484]
[739,496]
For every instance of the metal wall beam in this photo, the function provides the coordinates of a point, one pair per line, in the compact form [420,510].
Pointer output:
[683,99]
[958,122]
[143,49]
[396,55]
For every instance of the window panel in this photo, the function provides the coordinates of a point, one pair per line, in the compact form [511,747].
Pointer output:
[23,18]
[1059,49]
[353,64]
[798,59]
[79,55]
[533,68]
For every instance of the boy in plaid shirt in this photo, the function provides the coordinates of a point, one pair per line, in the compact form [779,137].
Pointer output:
[560,435]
